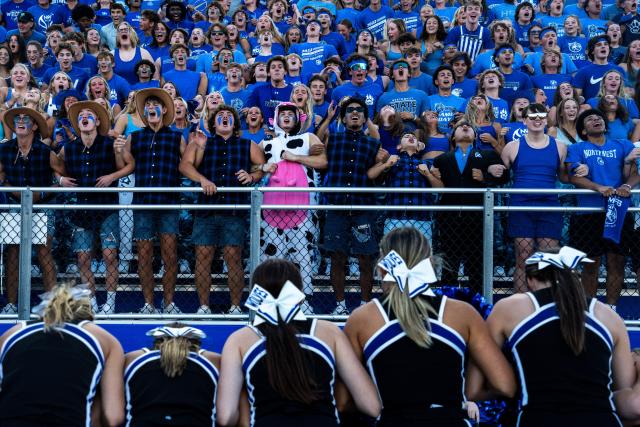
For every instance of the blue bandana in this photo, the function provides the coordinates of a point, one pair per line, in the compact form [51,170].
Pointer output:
[616,208]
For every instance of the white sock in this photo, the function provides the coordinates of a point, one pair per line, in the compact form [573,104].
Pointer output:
[94,304]
[111,299]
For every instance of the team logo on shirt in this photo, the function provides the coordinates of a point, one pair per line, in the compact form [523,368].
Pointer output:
[634,27]
[456,92]
[369,100]
[612,214]
[600,161]
[595,81]
[575,47]
[45,21]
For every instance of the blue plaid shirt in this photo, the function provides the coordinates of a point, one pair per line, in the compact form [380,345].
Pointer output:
[222,159]
[34,170]
[405,174]
[350,154]
[157,156]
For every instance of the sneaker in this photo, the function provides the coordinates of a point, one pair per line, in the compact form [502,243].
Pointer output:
[10,308]
[171,308]
[307,308]
[184,267]
[107,309]
[204,309]
[234,309]
[340,310]
[148,309]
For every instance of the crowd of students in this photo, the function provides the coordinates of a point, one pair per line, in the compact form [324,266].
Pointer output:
[317,93]
[411,357]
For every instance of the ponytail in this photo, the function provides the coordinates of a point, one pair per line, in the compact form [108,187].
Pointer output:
[287,364]
[412,313]
[174,353]
[63,307]
[571,303]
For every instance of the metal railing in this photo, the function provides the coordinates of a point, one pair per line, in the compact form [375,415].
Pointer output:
[255,208]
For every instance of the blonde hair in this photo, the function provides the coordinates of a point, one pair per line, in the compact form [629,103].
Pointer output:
[133,36]
[412,313]
[307,108]
[205,114]
[64,308]
[90,96]
[174,352]
[473,111]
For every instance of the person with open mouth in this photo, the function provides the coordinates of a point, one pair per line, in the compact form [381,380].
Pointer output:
[630,20]
[228,160]
[471,37]
[156,150]
[91,162]
[588,79]
[27,162]
[189,83]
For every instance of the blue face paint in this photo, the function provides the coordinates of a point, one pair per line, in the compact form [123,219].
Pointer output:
[155,109]
[220,118]
[28,123]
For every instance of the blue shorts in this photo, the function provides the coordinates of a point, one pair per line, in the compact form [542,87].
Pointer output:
[350,232]
[146,224]
[109,232]
[535,225]
[219,230]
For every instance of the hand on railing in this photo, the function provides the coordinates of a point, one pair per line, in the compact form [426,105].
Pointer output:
[208,187]
[606,191]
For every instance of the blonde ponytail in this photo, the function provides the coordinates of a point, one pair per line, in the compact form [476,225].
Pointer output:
[412,313]
[174,351]
[63,307]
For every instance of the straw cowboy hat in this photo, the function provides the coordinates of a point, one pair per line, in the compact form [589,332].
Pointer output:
[8,117]
[165,99]
[98,110]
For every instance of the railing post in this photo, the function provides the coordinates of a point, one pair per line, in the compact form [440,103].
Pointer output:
[255,221]
[26,239]
[487,246]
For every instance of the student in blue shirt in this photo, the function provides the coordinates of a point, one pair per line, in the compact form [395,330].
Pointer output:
[471,37]
[313,52]
[550,79]
[587,80]
[408,14]
[64,55]
[10,11]
[490,82]
[514,81]
[269,95]
[46,14]
[463,87]
[611,171]
[418,80]
[233,93]
[374,18]
[525,18]
[556,16]
[613,84]
[444,102]
[548,40]
[359,86]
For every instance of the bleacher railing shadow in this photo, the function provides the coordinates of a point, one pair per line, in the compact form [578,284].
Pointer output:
[495,273]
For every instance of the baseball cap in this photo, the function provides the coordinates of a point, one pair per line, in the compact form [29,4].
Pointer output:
[25,17]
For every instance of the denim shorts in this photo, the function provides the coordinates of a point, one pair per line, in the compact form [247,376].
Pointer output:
[109,232]
[219,230]
[350,232]
[146,224]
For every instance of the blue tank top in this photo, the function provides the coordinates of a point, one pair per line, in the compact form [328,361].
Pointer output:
[438,143]
[125,69]
[131,126]
[535,168]
[480,145]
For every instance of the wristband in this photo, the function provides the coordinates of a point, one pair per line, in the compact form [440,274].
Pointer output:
[626,185]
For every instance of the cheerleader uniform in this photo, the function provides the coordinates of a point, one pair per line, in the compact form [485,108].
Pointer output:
[268,408]
[418,386]
[49,378]
[559,388]
[154,399]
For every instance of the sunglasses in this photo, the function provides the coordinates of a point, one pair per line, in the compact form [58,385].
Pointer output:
[358,66]
[217,33]
[534,116]
[355,110]
[400,65]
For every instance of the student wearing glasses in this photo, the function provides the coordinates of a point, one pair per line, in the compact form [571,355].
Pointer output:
[536,160]
[444,102]
[409,102]
[359,86]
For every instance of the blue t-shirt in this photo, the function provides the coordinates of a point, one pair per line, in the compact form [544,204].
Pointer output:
[144,85]
[549,84]
[423,82]
[89,63]
[103,17]
[445,15]
[500,109]
[617,129]
[338,42]
[266,97]
[484,61]
[369,91]
[576,48]
[237,100]
[44,18]
[413,101]
[556,22]
[588,78]
[504,11]
[515,130]
[119,89]
[465,89]
[79,76]
[375,21]
[534,59]
[593,27]
[446,107]
[11,10]
[313,56]
[605,162]
[515,82]
[411,20]
[133,18]
[186,82]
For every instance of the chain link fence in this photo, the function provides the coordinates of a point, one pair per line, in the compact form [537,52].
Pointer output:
[199,264]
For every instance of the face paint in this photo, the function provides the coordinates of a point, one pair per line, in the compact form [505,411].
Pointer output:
[28,123]
[155,109]
[221,117]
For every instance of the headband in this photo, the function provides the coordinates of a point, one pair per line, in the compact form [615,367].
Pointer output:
[268,308]
[169,332]
[417,279]
[77,292]
[567,257]
[547,30]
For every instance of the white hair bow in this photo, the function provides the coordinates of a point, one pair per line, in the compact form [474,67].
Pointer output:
[567,257]
[77,292]
[418,279]
[169,332]
[267,308]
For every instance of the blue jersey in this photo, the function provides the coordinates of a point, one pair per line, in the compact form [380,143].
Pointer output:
[549,84]
[375,21]
[412,101]
[605,162]
[446,107]
[471,42]
[588,78]
[313,56]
